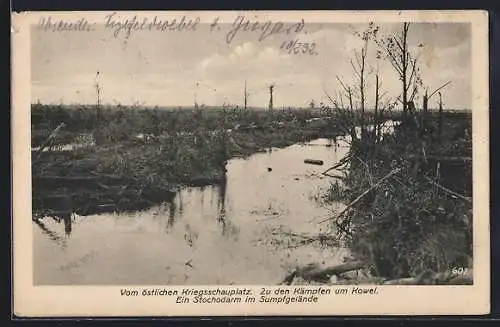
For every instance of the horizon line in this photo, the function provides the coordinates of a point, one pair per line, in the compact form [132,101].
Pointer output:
[204,106]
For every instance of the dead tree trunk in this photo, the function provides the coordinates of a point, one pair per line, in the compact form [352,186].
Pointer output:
[271,88]
[440,122]
[376,118]
[423,122]
[404,66]
[246,95]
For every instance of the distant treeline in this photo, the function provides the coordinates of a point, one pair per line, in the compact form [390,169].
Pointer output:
[82,118]
[86,117]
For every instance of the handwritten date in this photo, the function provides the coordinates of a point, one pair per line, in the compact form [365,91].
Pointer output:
[295,47]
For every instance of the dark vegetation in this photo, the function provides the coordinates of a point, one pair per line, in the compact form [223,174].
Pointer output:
[409,193]
[126,158]
[419,218]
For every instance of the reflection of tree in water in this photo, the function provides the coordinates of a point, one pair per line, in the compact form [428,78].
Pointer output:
[221,201]
[181,203]
[51,234]
[227,227]
[171,213]
[175,209]
[333,142]
[68,224]
[202,198]
[66,219]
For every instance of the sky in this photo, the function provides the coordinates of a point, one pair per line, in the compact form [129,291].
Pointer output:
[157,68]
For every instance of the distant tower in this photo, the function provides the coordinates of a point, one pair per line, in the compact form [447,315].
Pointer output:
[271,88]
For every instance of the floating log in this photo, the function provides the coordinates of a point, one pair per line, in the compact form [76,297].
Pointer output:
[314,162]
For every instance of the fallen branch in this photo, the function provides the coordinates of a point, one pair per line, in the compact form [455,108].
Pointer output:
[340,163]
[363,195]
[47,141]
[443,158]
[455,194]
[334,176]
[430,278]
[313,273]
[438,89]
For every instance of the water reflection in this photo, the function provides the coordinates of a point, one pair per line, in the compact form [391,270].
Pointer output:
[221,206]
[67,225]
[172,213]
[52,235]
[238,232]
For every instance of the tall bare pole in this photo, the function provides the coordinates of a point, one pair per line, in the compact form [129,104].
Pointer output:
[377,99]
[271,88]
[246,94]
[196,95]
[440,122]
[98,97]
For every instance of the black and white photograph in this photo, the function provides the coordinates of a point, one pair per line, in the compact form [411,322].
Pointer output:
[328,153]
[295,154]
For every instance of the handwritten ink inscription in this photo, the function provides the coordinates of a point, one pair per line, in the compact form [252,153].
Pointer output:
[265,29]
[296,47]
[53,25]
[136,24]
[127,25]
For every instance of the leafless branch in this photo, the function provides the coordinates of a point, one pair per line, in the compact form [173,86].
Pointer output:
[394,63]
[439,89]
[398,44]
[358,60]
[342,84]
[413,69]
[414,93]
[355,70]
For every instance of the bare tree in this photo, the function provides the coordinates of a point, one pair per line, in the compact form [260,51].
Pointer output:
[359,65]
[396,50]
[347,116]
[376,117]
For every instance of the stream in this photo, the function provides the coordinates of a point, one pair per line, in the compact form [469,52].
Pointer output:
[245,232]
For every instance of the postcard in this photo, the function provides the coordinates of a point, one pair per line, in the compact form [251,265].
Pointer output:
[242,163]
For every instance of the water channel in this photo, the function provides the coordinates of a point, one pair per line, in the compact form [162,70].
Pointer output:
[246,231]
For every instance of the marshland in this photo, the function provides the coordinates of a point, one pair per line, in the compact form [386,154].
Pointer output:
[361,188]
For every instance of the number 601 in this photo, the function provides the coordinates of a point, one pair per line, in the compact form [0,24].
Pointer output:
[459,270]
